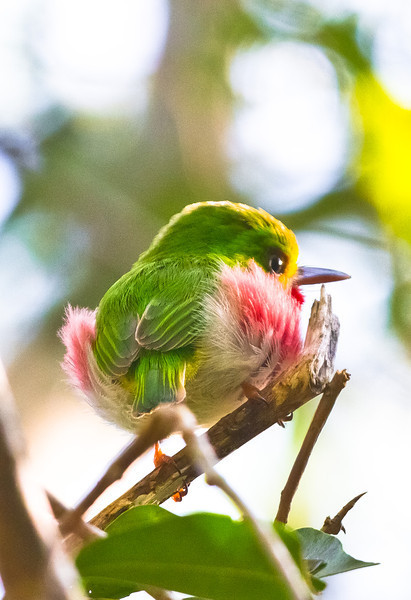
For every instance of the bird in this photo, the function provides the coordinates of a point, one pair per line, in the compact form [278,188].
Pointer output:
[208,314]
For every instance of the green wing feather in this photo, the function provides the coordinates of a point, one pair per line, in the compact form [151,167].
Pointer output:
[116,345]
[147,325]
[165,327]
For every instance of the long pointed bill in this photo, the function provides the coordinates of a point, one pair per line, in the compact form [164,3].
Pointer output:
[309,275]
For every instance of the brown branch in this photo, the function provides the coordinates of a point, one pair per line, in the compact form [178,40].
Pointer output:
[295,387]
[156,426]
[335,525]
[30,567]
[82,532]
[321,415]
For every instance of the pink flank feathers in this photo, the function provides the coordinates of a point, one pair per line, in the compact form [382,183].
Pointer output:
[265,309]
[77,334]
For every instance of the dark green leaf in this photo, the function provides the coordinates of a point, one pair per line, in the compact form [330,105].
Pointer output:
[105,588]
[318,584]
[327,552]
[207,555]
[143,515]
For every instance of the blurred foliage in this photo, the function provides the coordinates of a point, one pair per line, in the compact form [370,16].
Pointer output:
[384,167]
[103,184]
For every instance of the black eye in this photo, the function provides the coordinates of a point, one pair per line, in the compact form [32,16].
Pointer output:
[277,264]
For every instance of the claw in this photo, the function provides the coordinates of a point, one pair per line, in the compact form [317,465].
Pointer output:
[252,393]
[281,422]
[179,495]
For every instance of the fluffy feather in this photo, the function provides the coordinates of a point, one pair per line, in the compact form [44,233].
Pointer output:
[252,332]
[104,394]
[77,334]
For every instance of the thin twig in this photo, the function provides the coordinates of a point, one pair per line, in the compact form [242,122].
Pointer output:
[295,387]
[157,426]
[82,532]
[321,415]
[334,525]
[29,566]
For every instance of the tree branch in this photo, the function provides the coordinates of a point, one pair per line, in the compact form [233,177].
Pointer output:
[29,566]
[80,533]
[156,426]
[294,388]
[334,525]
[321,415]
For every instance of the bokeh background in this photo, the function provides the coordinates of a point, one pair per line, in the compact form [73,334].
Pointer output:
[116,114]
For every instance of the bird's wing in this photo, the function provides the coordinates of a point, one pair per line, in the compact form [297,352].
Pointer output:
[173,316]
[116,346]
[171,319]
[169,324]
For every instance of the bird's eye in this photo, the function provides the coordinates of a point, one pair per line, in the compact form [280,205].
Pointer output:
[277,264]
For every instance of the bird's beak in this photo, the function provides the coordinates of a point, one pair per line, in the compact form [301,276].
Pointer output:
[308,275]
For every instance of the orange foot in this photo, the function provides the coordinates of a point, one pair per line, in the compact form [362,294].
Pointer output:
[163,459]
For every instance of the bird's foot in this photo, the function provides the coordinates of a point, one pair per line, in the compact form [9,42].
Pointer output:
[253,393]
[161,459]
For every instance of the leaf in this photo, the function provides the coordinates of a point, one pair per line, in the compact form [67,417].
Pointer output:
[291,540]
[142,515]
[327,552]
[107,589]
[318,584]
[293,543]
[206,555]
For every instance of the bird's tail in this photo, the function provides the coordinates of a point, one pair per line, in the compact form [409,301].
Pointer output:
[77,334]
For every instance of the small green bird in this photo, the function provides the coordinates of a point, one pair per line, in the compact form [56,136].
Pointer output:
[207,315]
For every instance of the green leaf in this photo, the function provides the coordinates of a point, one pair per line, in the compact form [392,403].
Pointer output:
[327,553]
[107,589]
[142,515]
[293,543]
[318,584]
[206,555]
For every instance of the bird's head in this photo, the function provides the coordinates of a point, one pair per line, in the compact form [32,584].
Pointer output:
[237,233]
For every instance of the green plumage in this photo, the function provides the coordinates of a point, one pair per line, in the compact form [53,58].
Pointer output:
[147,323]
[149,320]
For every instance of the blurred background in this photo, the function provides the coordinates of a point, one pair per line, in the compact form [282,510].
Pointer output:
[116,114]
